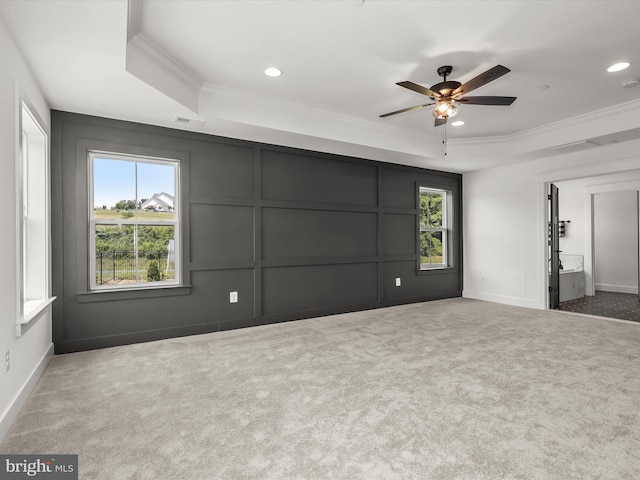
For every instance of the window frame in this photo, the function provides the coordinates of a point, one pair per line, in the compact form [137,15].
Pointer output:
[33,219]
[93,286]
[445,228]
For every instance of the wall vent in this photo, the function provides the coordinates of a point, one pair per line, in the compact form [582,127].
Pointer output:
[189,121]
[574,147]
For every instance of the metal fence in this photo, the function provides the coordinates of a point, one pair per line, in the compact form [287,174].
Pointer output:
[122,266]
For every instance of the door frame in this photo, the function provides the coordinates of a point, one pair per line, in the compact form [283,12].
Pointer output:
[589,260]
[554,246]
[543,179]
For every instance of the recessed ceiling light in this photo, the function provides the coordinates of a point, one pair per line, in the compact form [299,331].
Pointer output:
[273,72]
[618,66]
[457,123]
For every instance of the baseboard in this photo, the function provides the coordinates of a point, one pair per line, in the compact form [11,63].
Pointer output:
[21,397]
[604,287]
[107,341]
[504,299]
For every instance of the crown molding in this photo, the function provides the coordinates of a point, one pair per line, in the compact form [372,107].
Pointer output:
[631,107]
[538,142]
[134,18]
[622,164]
[580,121]
[151,64]
[247,111]
[562,132]
[262,111]
[168,64]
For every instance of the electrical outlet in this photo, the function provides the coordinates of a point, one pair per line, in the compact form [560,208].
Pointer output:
[7,357]
[233,297]
[398,282]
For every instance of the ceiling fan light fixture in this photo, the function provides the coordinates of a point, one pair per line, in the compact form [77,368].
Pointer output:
[445,109]
[618,67]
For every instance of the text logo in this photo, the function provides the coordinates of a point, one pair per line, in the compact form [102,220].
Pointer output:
[50,467]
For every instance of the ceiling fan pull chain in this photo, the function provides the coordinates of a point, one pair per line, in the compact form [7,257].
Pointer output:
[444,139]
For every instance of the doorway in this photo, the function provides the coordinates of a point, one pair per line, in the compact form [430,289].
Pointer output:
[594,240]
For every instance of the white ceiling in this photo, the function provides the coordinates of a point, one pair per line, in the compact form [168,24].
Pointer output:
[150,61]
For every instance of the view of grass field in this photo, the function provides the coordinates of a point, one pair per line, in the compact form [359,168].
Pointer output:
[433,260]
[105,214]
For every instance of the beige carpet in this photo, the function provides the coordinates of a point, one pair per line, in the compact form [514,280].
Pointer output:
[453,389]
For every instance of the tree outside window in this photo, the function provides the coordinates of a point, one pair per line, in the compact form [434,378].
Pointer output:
[433,228]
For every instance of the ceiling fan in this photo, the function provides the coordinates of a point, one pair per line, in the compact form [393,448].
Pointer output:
[448,95]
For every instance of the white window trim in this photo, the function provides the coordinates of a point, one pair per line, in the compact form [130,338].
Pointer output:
[93,286]
[446,198]
[31,308]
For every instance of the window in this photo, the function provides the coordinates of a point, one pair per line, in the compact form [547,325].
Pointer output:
[433,228]
[134,218]
[33,205]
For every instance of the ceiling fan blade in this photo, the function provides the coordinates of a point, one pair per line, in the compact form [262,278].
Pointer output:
[504,101]
[405,110]
[482,79]
[420,89]
[440,121]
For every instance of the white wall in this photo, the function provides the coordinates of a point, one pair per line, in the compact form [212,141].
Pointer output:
[616,242]
[504,221]
[30,352]
[572,207]
[499,232]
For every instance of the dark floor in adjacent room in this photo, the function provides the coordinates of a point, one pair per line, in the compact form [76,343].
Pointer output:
[623,306]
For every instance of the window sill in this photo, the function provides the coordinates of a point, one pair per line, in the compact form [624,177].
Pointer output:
[133,293]
[436,270]
[33,308]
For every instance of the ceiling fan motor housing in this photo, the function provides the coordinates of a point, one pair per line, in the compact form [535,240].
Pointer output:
[446,88]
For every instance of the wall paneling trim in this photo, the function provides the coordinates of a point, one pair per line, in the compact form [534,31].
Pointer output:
[296,233]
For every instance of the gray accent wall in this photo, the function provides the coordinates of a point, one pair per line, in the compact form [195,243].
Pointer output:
[296,233]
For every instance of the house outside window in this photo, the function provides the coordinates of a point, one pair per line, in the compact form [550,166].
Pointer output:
[159,202]
[433,227]
[134,221]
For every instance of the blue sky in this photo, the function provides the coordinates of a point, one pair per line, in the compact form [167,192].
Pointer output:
[115,180]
